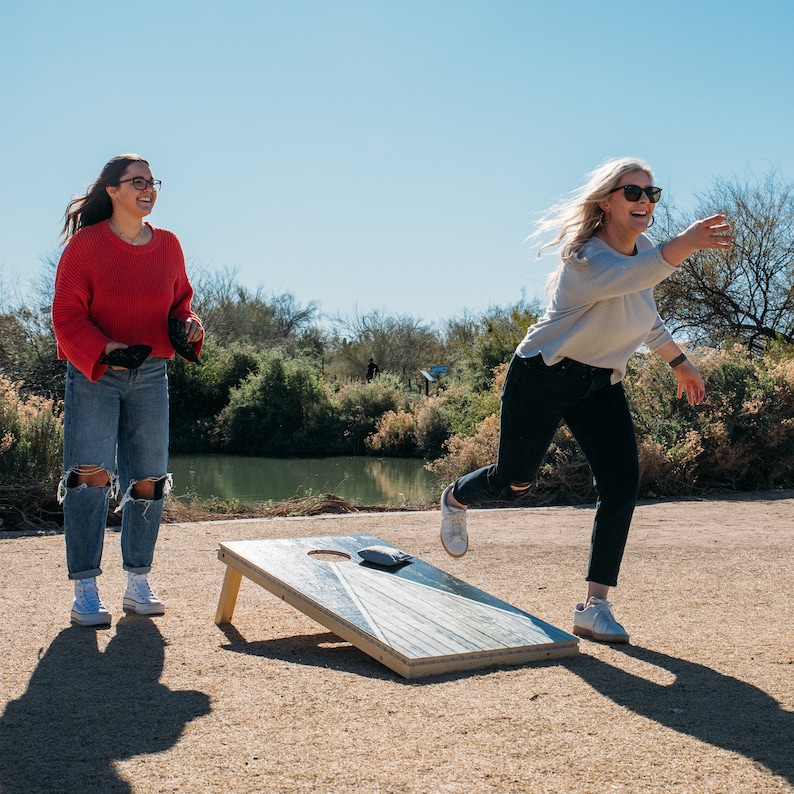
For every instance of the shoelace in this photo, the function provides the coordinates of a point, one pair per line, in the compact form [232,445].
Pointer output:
[89,600]
[456,521]
[142,589]
[604,608]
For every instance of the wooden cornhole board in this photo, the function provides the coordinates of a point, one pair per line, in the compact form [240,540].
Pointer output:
[415,619]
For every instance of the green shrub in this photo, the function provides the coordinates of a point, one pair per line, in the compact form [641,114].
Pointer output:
[31,436]
[740,438]
[432,425]
[277,410]
[463,408]
[199,393]
[358,406]
[394,435]
[467,453]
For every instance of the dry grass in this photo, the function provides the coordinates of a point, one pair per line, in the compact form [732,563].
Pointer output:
[33,508]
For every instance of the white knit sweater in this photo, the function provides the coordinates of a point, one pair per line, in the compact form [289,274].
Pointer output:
[602,308]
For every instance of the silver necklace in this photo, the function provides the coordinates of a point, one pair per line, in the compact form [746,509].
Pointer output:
[130,240]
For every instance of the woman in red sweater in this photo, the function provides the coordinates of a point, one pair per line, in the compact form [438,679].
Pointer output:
[119,280]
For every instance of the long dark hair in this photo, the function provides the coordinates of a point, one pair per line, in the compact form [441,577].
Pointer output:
[95,205]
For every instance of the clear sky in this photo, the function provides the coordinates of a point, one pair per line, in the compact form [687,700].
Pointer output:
[379,154]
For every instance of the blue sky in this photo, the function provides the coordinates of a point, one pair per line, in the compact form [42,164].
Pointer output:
[379,154]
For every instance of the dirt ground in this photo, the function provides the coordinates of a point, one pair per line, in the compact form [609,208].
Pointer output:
[702,700]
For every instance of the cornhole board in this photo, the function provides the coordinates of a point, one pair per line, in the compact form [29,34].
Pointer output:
[414,618]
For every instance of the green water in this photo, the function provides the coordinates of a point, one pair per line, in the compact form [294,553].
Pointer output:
[358,480]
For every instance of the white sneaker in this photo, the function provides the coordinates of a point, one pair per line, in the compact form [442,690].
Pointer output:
[139,598]
[454,537]
[595,621]
[88,609]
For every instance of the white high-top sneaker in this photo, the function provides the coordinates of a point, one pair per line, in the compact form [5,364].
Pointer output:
[88,609]
[139,598]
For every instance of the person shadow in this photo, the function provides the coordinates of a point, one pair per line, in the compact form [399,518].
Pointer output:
[84,709]
[715,708]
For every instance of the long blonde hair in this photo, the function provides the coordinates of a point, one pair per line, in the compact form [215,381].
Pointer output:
[575,220]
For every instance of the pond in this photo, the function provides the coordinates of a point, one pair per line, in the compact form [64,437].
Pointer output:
[359,480]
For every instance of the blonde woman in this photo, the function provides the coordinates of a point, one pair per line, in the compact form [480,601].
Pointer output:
[570,366]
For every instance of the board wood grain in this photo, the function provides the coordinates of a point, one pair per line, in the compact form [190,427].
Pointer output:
[414,618]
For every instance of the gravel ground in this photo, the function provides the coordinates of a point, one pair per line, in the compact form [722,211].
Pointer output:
[702,700]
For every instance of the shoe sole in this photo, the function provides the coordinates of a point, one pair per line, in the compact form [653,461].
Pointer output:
[93,619]
[591,635]
[134,607]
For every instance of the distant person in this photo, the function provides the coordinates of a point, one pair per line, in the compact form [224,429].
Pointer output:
[118,282]
[372,370]
[570,366]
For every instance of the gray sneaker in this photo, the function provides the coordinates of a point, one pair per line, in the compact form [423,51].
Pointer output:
[595,621]
[454,537]
[88,609]
[139,598]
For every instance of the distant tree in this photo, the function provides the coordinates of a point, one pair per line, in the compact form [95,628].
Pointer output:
[491,339]
[745,295]
[232,313]
[400,344]
[27,344]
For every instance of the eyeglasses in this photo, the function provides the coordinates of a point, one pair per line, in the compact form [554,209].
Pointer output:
[634,192]
[141,183]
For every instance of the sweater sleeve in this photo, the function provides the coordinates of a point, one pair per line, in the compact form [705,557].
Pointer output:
[79,339]
[183,296]
[658,335]
[602,273]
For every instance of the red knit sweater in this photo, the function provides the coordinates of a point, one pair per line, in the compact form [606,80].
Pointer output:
[108,290]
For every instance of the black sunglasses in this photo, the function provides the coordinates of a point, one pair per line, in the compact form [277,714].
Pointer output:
[634,192]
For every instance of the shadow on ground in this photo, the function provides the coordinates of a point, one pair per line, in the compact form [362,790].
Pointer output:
[84,709]
[331,652]
[700,702]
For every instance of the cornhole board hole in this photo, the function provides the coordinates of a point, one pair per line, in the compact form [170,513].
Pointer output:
[414,618]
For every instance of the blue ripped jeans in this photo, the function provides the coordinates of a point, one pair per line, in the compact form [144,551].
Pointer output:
[535,399]
[119,421]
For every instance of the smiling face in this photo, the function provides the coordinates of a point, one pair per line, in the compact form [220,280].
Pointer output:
[129,201]
[626,218]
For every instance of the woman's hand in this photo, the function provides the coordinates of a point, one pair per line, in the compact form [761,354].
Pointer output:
[711,232]
[689,381]
[113,346]
[194,331]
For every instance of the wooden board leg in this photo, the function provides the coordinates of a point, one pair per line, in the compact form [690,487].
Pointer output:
[231,586]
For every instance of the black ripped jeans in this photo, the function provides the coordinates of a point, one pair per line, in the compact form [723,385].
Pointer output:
[535,399]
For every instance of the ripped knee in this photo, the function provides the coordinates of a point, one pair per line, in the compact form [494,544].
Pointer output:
[149,489]
[85,476]
[92,476]
[517,490]
[152,488]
